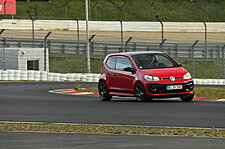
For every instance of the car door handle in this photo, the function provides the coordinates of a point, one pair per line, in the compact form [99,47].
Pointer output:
[115,74]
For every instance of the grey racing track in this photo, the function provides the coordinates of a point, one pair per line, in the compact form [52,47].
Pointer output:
[31,102]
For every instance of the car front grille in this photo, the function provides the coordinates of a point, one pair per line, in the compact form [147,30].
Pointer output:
[161,88]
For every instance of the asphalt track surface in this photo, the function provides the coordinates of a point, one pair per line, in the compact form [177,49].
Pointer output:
[21,140]
[31,102]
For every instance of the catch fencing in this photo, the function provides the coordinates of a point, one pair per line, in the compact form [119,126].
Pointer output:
[183,50]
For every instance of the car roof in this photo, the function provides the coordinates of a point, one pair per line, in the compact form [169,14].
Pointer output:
[138,53]
[143,52]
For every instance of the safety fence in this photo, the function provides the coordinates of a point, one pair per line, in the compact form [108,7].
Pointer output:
[17,75]
[201,61]
[104,48]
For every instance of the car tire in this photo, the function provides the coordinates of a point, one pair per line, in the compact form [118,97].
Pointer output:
[139,92]
[187,98]
[103,92]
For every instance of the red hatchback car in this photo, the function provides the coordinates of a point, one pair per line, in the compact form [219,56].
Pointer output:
[145,75]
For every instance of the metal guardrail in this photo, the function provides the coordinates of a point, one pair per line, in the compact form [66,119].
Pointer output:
[104,48]
[215,54]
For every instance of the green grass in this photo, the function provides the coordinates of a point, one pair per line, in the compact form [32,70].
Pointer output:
[111,129]
[210,92]
[132,10]
[69,63]
[92,89]
[210,68]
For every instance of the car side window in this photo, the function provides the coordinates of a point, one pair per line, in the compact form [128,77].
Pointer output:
[123,62]
[111,62]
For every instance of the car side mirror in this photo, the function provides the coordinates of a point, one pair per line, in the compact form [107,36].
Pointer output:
[129,69]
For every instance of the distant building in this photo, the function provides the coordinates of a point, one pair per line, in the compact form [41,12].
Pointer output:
[24,59]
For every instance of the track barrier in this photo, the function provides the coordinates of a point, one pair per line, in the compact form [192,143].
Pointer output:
[31,75]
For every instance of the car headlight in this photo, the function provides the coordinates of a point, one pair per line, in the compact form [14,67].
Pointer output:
[187,76]
[151,78]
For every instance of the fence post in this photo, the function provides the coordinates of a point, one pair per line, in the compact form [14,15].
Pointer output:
[162,31]
[19,44]
[106,50]
[126,44]
[211,53]
[193,59]
[92,47]
[205,52]
[218,51]
[170,53]
[134,46]
[49,47]
[161,45]
[63,48]
[4,43]
[176,51]
[78,51]
[4,61]
[223,62]
[121,34]
[91,43]
[45,50]
[78,38]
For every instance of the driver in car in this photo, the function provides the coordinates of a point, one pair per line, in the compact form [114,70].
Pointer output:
[151,62]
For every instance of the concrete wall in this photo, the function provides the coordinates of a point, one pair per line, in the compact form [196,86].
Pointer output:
[113,25]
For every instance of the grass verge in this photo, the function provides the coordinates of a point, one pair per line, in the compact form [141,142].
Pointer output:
[92,89]
[111,129]
[210,92]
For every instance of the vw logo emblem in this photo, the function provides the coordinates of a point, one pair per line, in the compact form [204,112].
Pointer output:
[172,78]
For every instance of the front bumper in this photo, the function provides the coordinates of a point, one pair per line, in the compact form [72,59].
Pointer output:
[154,89]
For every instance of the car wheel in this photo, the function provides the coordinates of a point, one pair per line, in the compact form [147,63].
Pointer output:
[187,98]
[103,92]
[140,92]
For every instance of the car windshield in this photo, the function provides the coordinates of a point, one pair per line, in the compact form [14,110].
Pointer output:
[154,61]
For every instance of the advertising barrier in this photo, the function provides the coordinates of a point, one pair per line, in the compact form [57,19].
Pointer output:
[7,7]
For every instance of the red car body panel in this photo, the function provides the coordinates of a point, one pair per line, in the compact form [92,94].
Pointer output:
[121,83]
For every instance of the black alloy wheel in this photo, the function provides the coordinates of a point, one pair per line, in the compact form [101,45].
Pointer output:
[187,98]
[103,92]
[140,92]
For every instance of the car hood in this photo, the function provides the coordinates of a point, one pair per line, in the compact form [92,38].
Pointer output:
[165,72]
